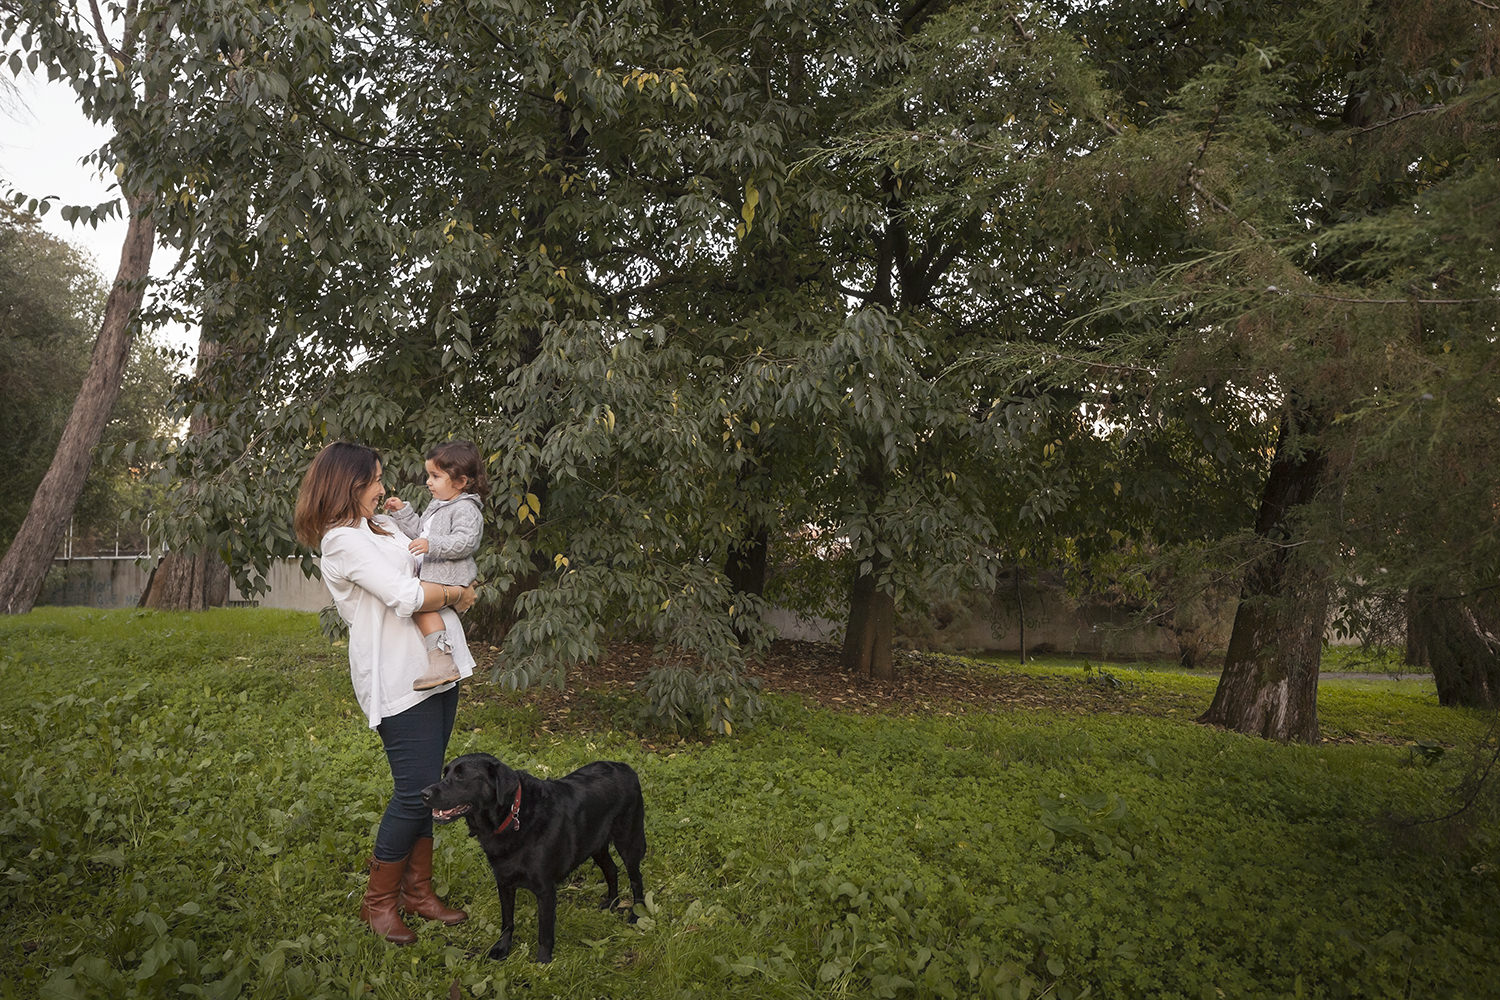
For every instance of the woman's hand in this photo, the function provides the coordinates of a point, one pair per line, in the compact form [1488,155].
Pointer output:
[418,546]
[466,600]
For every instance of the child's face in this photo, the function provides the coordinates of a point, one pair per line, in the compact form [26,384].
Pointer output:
[441,485]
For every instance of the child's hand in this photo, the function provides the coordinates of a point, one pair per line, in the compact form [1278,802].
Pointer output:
[418,546]
[393,504]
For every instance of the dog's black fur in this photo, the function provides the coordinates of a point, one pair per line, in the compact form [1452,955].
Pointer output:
[562,824]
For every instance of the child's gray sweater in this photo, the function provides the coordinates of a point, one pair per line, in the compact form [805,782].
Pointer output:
[452,529]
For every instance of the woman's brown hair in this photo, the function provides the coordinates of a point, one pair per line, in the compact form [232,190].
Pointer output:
[330,491]
[461,460]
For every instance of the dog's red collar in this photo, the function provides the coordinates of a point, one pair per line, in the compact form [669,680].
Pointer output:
[514,819]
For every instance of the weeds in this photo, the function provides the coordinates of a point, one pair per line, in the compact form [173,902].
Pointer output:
[186,803]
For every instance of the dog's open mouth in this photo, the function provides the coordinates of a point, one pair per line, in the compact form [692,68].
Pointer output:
[448,815]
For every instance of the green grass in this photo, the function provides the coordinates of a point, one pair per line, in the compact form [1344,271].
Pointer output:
[1384,660]
[186,803]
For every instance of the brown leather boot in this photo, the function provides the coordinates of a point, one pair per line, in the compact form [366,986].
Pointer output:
[378,908]
[416,888]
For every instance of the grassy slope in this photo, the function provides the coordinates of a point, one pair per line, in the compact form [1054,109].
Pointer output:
[186,803]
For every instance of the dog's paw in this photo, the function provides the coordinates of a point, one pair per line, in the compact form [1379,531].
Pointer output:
[543,956]
[501,949]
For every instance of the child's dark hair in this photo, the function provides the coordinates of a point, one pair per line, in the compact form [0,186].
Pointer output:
[461,460]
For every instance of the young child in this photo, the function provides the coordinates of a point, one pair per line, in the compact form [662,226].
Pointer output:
[444,539]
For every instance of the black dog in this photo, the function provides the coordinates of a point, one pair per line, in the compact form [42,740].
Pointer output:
[534,831]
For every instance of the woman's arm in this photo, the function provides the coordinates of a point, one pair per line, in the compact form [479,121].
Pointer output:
[349,559]
[445,595]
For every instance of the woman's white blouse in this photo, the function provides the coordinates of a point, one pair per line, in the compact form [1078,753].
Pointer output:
[374,585]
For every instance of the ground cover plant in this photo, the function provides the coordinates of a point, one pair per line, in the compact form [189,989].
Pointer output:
[186,802]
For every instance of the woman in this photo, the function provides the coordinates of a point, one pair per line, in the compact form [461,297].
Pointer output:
[371,576]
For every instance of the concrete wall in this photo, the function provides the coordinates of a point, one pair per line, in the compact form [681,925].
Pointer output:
[94,582]
[1051,627]
[289,589]
[1052,624]
[118,583]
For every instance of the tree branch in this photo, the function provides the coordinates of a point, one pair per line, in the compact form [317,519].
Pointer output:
[103,36]
[1381,302]
[1192,180]
[312,115]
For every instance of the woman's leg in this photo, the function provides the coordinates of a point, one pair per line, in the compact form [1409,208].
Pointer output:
[416,744]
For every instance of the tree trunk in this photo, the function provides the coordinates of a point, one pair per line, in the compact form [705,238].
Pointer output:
[187,581]
[746,565]
[872,613]
[24,567]
[746,569]
[872,625]
[1269,686]
[1021,615]
[194,579]
[1463,654]
[1418,625]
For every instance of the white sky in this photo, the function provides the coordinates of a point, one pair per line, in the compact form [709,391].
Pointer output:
[44,136]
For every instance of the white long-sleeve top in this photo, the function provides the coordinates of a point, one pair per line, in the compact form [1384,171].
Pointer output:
[374,585]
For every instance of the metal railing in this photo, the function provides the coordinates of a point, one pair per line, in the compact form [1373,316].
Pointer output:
[67,552]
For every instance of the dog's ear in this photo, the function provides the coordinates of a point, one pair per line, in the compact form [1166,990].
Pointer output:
[503,777]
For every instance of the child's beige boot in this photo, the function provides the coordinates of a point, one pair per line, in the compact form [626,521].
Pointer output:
[440,666]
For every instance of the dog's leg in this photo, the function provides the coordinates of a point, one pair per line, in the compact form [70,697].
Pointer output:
[630,841]
[637,890]
[546,920]
[507,922]
[611,878]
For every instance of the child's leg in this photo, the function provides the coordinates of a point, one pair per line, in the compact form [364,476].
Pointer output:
[428,622]
[440,666]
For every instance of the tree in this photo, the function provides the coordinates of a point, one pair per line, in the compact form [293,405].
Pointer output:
[613,248]
[49,301]
[198,578]
[905,162]
[1456,636]
[1331,176]
[109,93]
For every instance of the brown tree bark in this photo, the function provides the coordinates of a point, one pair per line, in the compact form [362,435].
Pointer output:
[872,613]
[871,629]
[194,579]
[24,567]
[1417,625]
[746,565]
[1269,686]
[1452,638]
[745,568]
[187,581]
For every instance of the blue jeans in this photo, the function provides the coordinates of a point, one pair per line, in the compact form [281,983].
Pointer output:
[416,744]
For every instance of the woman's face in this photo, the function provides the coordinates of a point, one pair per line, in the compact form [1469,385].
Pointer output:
[372,494]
